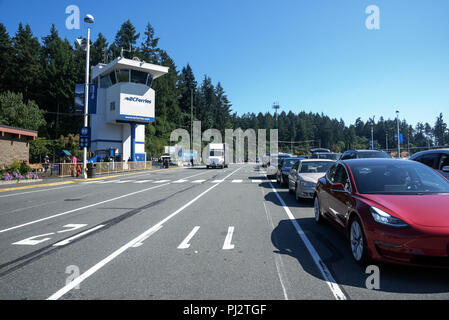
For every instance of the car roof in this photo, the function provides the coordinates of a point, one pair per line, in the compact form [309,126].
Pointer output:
[445,150]
[315,160]
[369,161]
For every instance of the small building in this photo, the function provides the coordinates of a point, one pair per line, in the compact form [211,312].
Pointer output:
[125,105]
[14,144]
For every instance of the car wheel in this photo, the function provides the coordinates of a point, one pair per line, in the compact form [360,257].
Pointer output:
[357,242]
[297,197]
[317,210]
[290,190]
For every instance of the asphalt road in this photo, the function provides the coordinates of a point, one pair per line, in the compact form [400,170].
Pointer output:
[187,233]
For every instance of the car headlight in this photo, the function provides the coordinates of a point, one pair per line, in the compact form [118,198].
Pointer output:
[307,184]
[384,218]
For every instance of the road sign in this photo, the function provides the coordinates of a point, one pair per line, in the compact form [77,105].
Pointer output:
[401,141]
[85,137]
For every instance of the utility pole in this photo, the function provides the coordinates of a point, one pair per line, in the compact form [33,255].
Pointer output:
[399,135]
[372,135]
[191,123]
[386,140]
[276,108]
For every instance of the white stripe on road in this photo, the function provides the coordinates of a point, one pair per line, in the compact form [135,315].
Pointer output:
[138,244]
[82,208]
[122,249]
[198,181]
[185,243]
[237,181]
[227,243]
[67,241]
[124,181]
[217,181]
[142,181]
[161,181]
[257,181]
[339,295]
[180,181]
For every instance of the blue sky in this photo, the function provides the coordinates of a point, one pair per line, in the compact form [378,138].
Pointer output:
[314,55]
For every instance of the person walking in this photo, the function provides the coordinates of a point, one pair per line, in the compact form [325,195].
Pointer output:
[73,166]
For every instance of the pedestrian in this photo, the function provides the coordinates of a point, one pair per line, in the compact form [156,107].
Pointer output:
[73,166]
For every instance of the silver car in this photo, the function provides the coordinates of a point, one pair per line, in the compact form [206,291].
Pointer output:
[304,176]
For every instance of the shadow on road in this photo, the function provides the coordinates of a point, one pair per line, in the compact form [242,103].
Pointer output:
[333,248]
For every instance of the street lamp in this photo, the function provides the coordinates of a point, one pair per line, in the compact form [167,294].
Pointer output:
[87,19]
[372,135]
[399,136]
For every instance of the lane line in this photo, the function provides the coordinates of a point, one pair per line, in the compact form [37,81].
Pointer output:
[237,181]
[67,241]
[257,181]
[79,209]
[142,181]
[58,294]
[180,181]
[327,276]
[36,186]
[138,244]
[161,181]
[227,243]
[126,181]
[277,258]
[217,181]
[198,181]
[185,243]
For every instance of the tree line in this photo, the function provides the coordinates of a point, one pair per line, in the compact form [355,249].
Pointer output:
[38,78]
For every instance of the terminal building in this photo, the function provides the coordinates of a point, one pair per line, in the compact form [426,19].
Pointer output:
[125,105]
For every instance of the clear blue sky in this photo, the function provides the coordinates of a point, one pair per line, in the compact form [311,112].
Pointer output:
[314,55]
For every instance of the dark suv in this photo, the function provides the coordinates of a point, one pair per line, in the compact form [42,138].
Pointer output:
[436,159]
[361,154]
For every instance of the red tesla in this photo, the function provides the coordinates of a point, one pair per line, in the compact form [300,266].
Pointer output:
[390,210]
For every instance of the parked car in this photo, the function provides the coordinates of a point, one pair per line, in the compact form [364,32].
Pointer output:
[362,154]
[390,210]
[436,159]
[326,155]
[284,168]
[304,176]
[273,164]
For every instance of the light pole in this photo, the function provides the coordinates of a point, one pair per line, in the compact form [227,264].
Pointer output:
[276,108]
[87,19]
[399,136]
[191,124]
[386,140]
[372,136]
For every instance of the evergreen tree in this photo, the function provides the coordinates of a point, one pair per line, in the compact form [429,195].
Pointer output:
[98,50]
[6,54]
[17,113]
[125,38]
[149,50]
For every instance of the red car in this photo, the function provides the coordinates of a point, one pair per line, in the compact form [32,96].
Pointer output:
[390,210]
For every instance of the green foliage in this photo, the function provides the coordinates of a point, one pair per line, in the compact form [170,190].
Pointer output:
[14,112]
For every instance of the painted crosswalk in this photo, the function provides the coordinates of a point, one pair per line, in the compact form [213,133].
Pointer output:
[179,181]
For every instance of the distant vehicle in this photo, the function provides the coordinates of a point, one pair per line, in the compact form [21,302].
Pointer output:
[326,155]
[317,150]
[284,168]
[363,154]
[273,164]
[390,210]
[436,159]
[304,176]
[217,153]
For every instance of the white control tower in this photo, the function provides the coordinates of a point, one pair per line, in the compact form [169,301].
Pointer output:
[125,104]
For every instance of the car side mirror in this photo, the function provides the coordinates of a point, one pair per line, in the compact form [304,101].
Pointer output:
[338,187]
[445,169]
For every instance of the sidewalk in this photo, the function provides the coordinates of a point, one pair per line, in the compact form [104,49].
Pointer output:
[57,181]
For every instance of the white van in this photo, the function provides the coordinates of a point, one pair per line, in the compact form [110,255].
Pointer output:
[217,154]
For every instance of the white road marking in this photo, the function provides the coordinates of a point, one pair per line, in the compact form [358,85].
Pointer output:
[31,242]
[82,208]
[273,180]
[180,181]
[217,181]
[124,181]
[161,181]
[257,181]
[128,245]
[237,181]
[198,181]
[185,243]
[109,181]
[67,241]
[142,181]
[72,227]
[277,258]
[330,281]
[227,243]
[138,244]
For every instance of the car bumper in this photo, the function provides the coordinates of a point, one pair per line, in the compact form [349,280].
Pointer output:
[306,193]
[410,246]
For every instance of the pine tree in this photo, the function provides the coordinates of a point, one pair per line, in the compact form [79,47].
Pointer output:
[149,50]
[25,63]
[98,50]
[125,38]
[6,54]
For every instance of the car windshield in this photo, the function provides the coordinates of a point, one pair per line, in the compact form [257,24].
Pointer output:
[330,156]
[372,154]
[315,166]
[216,153]
[402,178]
[289,162]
